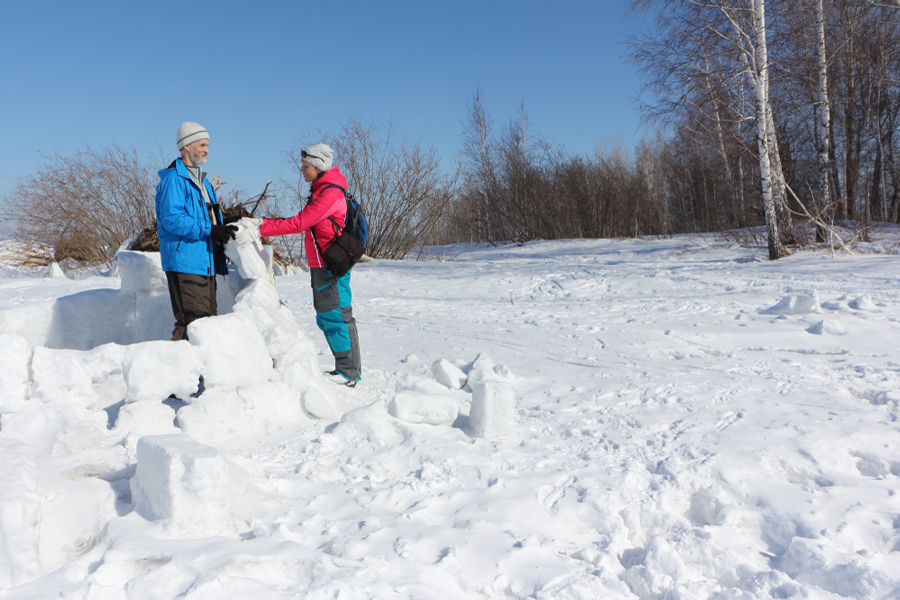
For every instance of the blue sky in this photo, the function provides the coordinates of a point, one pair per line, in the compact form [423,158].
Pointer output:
[259,74]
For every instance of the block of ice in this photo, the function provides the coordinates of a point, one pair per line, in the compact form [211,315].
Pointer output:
[448,374]
[232,349]
[184,485]
[145,363]
[15,356]
[430,409]
[493,412]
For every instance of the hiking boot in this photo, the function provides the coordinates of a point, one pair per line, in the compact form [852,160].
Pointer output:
[339,378]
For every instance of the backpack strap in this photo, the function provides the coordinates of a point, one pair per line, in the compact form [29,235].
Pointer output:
[337,230]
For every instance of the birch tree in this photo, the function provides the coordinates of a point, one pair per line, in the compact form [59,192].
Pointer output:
[765,133]
[822,193]
[738,28]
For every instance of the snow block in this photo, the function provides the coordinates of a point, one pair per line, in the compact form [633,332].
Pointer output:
[493,412]
[795,305]
[138,419]
[484,369]
[144,362]
[246,413]
[862,303]
[59,374]
[141,273]
[15,359]
[370,423]
[827,328]
[317,404]
[233,350]
[184,485]
[285,339]
[20,516]
[417,383]
[252,260]
[429,409]
[448,374]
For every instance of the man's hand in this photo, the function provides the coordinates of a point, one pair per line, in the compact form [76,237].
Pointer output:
[248,231]
[222,233]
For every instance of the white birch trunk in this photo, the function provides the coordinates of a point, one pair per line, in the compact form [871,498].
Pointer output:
[823,109]
[761,89]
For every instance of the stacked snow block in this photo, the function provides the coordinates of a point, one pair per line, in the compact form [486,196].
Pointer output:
[493,412]
[20,515]
[15,359]
[183,485]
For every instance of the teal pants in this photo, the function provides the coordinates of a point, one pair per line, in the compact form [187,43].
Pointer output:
[332,300]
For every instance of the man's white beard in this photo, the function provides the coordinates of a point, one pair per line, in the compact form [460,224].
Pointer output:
[198,159]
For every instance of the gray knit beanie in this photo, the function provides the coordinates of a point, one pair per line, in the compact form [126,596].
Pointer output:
[319,156]
[189,133]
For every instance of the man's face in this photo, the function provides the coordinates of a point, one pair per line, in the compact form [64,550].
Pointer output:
[196,152]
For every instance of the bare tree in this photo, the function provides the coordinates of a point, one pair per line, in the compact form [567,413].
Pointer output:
[400,184]
[85,204]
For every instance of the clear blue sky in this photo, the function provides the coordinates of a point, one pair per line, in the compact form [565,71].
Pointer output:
[258,74]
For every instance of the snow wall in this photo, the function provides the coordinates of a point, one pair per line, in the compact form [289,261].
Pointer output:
[61,361]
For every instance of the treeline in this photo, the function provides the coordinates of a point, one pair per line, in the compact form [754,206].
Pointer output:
[765,113]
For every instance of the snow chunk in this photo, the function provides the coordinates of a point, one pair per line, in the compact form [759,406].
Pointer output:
[448,374]
[795,305]
[239,415]
[139,419]
[862,303]
[484,369]
[54,271]
[827,328]
[317,404]
[233,350]
[184,485]
[493,412]
[144,362]
[251,260]
[59,375]
[141,273]
[15,359]
[370,423]
[416,383]
[20,515]
[430,409]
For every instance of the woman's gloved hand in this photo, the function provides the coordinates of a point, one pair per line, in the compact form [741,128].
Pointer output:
[247,231]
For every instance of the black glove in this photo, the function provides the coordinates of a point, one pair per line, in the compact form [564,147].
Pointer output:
[222,233]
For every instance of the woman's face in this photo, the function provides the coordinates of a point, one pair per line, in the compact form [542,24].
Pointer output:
[309,172]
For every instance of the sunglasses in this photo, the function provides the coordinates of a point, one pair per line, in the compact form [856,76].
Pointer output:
[305,154]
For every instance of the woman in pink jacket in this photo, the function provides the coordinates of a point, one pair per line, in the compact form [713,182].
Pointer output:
[320,219]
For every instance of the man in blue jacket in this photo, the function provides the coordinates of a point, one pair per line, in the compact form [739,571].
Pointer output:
[192,234]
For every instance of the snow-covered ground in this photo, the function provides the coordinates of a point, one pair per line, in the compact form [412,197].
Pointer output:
[675,419]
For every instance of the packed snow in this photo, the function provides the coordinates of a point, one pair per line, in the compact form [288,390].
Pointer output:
[622,419]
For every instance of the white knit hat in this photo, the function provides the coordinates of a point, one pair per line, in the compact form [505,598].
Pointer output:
[189,133]
[319,156]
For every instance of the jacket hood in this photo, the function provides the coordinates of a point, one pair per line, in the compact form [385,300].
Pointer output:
[331,176]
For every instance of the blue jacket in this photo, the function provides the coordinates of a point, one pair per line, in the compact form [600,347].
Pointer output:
[182,223]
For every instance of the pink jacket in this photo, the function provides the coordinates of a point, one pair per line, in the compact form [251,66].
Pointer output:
[323,203]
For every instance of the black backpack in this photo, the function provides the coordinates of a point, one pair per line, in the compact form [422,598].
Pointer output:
[348,245]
